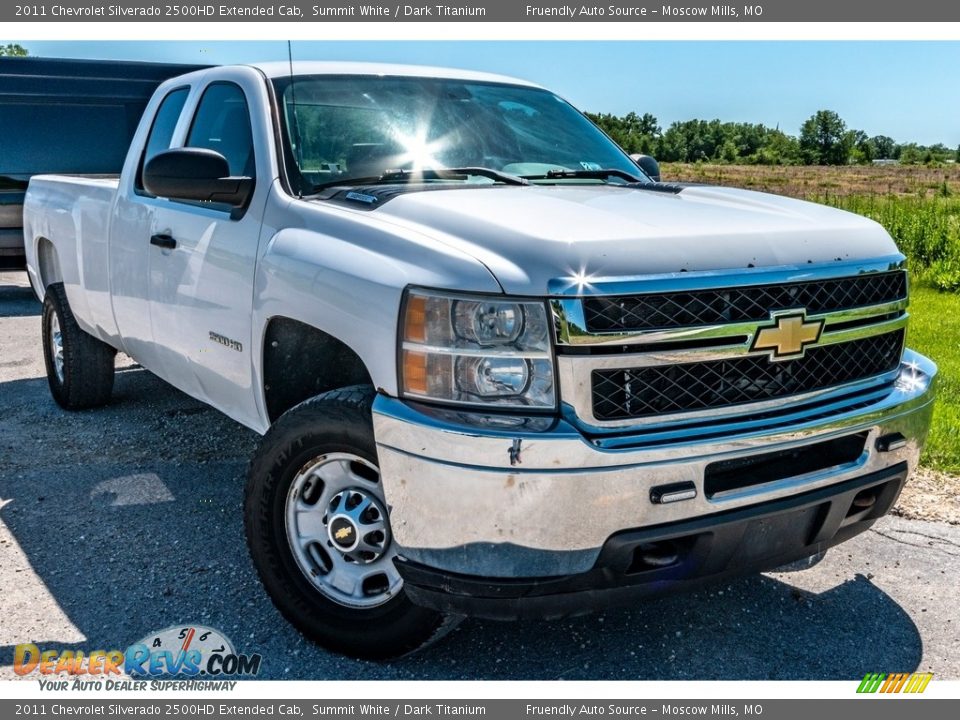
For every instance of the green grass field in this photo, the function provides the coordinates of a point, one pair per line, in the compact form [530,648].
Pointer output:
[926,229]
[935,331]
[920,208]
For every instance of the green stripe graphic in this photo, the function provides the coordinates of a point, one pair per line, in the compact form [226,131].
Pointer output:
[871,682]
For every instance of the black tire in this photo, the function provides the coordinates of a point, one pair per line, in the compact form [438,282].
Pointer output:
[85,379]
[339,421]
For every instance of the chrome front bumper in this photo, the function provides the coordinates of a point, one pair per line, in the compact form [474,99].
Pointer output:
[533,497]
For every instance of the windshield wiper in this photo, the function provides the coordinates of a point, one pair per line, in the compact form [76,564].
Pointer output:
[399,176]
[458,173]
[602,174]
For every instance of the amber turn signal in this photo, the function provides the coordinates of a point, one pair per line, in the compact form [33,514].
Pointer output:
[415,372]
[415,319]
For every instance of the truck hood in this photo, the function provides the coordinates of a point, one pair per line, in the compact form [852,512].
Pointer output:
[529,236]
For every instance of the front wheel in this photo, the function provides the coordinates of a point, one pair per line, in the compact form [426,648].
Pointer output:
[318,531]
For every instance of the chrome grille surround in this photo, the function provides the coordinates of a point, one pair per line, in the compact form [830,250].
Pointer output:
[584,354]
[656,311]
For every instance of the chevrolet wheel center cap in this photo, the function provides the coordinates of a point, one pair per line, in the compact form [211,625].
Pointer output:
[343,533]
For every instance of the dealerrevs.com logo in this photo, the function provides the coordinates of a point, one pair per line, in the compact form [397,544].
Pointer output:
[183,651]
[910,683]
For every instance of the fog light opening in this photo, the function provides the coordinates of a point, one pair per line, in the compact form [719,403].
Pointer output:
[864,500]
[655,556]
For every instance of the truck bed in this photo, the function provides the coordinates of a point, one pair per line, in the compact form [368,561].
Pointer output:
[73,212]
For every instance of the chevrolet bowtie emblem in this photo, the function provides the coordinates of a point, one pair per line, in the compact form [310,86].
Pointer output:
[789,337]
[343,533]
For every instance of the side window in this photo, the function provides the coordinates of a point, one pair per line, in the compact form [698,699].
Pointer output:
[164,123]
[222,123]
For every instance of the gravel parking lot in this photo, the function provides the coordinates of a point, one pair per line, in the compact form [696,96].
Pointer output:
[125,520]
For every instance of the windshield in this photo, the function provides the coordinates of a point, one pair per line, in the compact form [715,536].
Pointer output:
[349,127]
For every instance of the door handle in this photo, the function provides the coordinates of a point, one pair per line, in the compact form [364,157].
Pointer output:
[163,240]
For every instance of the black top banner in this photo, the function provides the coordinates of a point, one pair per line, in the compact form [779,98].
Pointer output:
[212,707]
[637,11]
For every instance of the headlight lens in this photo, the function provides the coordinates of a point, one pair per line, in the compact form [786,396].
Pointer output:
[487,323]
[475,350]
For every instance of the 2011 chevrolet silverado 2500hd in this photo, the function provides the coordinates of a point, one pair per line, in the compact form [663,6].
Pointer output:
[498,370]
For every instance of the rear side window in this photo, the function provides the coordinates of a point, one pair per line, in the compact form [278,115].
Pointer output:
[164,123]
[222,123]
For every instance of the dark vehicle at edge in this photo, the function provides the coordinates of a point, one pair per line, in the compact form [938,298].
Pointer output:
[66,116]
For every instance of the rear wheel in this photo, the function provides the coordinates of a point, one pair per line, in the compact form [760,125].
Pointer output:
[80,368]
[319,533]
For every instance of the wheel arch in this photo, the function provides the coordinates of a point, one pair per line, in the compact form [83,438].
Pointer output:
[300,361]
[48,265]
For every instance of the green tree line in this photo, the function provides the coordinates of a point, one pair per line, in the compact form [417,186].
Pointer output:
[824,139]
[12,50]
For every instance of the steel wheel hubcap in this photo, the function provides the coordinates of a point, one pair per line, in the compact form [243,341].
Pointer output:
[56,346]
[339,533]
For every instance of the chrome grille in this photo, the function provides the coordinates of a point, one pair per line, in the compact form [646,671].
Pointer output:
[717,306]
[639,392]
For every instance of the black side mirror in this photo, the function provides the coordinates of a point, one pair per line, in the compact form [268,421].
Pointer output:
[195,174]
[648,164]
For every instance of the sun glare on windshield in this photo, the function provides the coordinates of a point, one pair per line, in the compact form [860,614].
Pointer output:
[419,153]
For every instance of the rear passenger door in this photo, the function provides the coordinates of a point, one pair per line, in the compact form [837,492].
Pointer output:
[201,271]
[129,249]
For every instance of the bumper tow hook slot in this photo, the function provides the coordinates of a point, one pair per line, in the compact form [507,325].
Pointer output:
[675,492]
[893,441]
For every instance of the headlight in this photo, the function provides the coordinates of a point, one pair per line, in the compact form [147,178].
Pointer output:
[476,350]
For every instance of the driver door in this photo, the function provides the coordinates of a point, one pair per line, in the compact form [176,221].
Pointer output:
[202,259]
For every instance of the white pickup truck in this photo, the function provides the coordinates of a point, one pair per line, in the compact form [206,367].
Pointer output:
[499,371]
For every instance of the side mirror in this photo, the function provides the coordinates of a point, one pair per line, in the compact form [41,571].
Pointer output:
[195,174]
[648,164]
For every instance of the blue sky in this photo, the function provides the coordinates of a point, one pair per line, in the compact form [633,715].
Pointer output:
[900,89]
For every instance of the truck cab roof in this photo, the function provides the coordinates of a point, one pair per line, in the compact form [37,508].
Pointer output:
[280,69]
